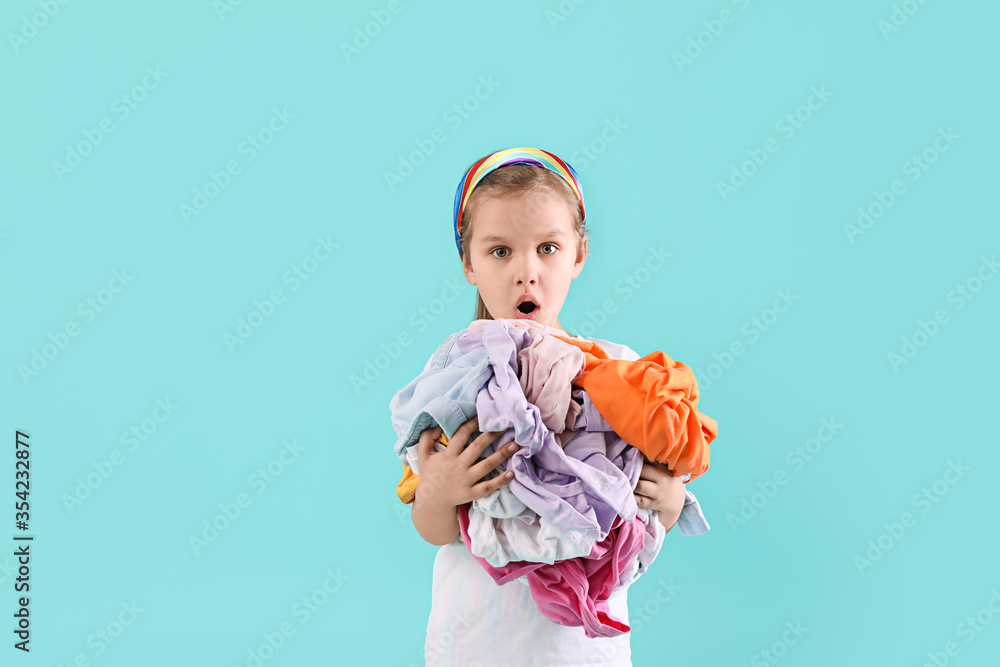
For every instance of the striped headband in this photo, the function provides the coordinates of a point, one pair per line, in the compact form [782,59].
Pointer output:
[502,158]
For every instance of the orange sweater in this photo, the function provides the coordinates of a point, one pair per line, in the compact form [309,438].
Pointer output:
[652,403]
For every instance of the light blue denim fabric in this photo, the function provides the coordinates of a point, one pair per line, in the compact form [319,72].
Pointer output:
[445,394]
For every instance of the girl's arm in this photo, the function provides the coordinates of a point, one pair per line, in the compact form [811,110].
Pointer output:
[436,522]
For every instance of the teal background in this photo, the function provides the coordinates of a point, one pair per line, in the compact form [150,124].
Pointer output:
[558,82]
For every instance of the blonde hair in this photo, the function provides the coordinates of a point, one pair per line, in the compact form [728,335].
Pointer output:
[514,180]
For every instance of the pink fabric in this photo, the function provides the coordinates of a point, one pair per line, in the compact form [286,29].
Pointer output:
[547,369]
[575,592]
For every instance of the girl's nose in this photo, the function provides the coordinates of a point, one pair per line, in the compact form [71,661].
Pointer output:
[527,269]
[527,274]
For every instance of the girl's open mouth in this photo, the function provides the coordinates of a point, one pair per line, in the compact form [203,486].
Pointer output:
[527,310]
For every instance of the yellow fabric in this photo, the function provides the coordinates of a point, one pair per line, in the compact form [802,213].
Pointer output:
[406,489]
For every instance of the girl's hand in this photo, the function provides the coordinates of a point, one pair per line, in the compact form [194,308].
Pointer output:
[658,489]
[453,477]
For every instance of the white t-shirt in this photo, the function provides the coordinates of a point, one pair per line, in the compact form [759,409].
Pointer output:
[476,623]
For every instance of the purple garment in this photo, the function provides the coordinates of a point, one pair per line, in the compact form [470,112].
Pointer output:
[583,486]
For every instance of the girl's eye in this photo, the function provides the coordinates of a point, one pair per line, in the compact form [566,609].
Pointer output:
[505,250]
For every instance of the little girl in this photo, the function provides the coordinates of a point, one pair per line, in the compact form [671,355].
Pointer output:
[519,227]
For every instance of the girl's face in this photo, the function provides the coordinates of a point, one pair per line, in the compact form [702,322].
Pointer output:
[524,246]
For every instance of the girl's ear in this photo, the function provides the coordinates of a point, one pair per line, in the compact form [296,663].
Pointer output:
[470,276]
[581,258]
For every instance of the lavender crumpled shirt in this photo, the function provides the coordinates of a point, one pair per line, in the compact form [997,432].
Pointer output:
[581,487]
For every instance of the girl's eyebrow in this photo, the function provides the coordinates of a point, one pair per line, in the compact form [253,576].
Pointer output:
[554,233]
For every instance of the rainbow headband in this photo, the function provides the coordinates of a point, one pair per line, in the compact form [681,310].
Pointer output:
[502,158]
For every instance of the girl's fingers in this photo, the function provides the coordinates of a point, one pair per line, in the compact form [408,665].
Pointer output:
[475,450]
[461,437]
[425,444]
[496,458]
[645,488]
[489,486]
[650,472]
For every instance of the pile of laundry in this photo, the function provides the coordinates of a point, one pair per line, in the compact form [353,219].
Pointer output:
[566,524]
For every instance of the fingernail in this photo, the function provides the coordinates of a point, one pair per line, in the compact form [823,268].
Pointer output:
[512,447]
[508,474]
